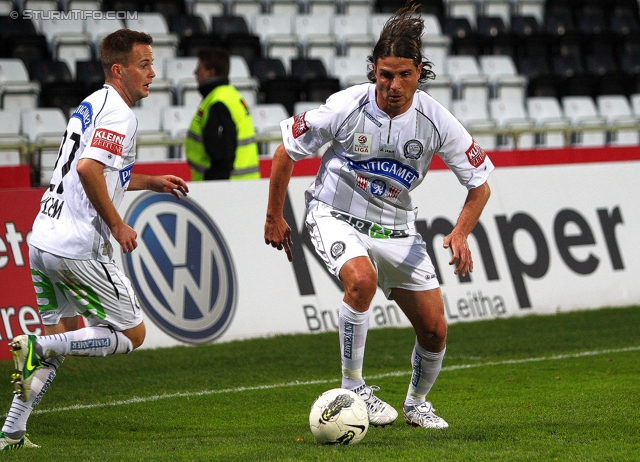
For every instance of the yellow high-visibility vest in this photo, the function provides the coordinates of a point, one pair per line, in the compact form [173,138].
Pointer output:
[246,163]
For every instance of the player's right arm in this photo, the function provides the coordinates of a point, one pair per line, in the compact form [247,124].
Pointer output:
[277,232]
[91,173]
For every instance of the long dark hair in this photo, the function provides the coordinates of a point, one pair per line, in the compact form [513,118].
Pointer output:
[401,37]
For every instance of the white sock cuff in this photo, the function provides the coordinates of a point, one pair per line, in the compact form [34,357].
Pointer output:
[429,355]
[353,316]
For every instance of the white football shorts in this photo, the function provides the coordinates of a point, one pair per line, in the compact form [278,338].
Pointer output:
[400,257]
[98,291]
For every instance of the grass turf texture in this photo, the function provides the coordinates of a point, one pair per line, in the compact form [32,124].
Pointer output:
[504,407]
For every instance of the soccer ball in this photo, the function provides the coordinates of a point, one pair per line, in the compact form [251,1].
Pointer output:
[339,416]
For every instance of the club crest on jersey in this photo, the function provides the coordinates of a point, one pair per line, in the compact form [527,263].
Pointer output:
[125,175]
[84,112]
[361,143]
[413,149]
[475,154]
[108,140]
[378,187]
[337,249]
[299,126]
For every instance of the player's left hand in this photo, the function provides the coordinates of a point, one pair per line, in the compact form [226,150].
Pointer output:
[461,254]
[168,184]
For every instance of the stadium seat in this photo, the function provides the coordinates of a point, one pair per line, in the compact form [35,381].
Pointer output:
[503,77]
[441,89]
[277,36]
[206,9]
[316,37]
[241,78]
[617,110]
[10,134]
[348,71]
[533,8]
[308,68]
[476,117]
[559,20]
[357,7]
[284,90]
[180,71]
[90,75]
[84,5]
[268,69]
[547,113]
[245,45]
[224,25]
[44,125]
[248,9]
[266,120]
[176,120]
[328,7]
[463,9]
[165,44]
[591,19]
[319,88]
[498,8]
[582,112]
[98,29]
[187,25]
[283,7]
[150,129]
[469,83]
[524,26]
[16,90]
[511,113]
[352,30]
[168,8]
[304,106]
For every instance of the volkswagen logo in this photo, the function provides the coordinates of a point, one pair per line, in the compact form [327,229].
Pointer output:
[182,270]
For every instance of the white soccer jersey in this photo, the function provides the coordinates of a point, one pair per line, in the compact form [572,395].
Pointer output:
[103,128]
[375,161]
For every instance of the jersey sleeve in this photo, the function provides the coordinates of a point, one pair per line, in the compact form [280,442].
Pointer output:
[305,133]
[461,153]
[113,134]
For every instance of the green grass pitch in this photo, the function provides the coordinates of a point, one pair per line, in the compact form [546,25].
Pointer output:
[563,387]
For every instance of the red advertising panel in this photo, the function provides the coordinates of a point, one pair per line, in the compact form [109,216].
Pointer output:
[18,309]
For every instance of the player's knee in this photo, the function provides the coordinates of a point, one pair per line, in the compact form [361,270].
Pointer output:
[361,287]
[136,335]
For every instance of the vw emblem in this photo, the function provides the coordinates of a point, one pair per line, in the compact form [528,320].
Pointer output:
[182,270]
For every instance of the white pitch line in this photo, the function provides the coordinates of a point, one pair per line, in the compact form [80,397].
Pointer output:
[298,383]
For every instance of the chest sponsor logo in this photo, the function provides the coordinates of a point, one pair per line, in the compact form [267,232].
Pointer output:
[475,154]
[125,175]
[182,270]
[361,143]
[389,168]
[108,140]
[299,126]
[413,149]
[84,112]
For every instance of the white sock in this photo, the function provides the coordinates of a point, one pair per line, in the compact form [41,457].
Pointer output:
[426,367]
[88,341]
[15,425]
[353,327]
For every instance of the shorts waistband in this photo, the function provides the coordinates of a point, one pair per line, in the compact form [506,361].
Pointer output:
[369,228]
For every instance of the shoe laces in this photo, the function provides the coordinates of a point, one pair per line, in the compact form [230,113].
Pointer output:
[374,403]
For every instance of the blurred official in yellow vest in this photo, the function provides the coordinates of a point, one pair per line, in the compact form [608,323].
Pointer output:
[221,142]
